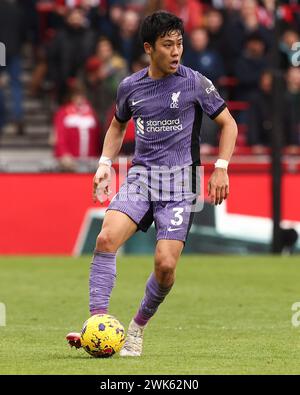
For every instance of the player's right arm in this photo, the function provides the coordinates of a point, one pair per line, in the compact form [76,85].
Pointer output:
[111,148]
[215,107]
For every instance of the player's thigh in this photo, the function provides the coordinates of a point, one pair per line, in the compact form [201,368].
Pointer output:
[167,253]
[173,219]
[117,227]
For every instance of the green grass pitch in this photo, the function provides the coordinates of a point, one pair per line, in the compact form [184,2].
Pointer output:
[225,315]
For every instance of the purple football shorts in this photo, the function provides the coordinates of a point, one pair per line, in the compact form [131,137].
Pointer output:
[172,218]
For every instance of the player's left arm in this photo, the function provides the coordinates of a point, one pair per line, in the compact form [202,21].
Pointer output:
[218,184]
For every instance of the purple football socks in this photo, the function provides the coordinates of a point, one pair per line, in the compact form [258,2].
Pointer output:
[102,281]
[153,297]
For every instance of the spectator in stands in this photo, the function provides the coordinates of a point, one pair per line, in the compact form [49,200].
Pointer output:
[230,5]
[231,18]
[290,14]
[137,5]
[110,24]
[251,23]
[2,109]
[103,73]
[292,110]
[250,66]
[288,38]
[190,11]
[12,34]
[214,24]
[261,115]
[126,40]
[113,65]
[199,57]
[30,20]
[69,50]
[266,13]
[238,27]
[76,131]
[86,4]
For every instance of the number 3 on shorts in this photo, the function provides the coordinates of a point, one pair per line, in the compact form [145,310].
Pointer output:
[178,216]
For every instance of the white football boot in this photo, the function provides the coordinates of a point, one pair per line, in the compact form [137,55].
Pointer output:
[134,341]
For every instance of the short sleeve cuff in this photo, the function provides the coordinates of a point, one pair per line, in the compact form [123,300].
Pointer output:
[219,110]
[120,119]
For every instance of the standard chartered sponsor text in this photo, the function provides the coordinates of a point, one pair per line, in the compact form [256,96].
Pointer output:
[165,125]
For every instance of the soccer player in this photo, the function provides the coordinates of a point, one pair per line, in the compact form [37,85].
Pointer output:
[166,101]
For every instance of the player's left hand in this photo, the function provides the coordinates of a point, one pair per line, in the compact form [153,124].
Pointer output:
[218,186]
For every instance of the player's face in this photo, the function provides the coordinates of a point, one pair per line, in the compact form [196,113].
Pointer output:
[166,54]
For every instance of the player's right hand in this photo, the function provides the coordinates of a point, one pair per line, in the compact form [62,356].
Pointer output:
[218,186]
[101,182]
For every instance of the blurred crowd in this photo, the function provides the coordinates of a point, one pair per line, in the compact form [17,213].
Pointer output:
[82,49]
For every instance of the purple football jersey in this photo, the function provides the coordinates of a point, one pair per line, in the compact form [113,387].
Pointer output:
[167,114]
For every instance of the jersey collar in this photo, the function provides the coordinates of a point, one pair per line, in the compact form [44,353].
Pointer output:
[144,73]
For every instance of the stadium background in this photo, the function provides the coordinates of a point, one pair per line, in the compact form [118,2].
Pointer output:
[238,315]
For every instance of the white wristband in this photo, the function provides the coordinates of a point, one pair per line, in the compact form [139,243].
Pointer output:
[222,163]
[105,160]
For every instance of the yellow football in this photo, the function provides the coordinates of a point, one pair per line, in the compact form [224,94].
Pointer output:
[102,335]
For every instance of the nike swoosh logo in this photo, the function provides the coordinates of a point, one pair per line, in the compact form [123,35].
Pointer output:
[136,102]
[173,229]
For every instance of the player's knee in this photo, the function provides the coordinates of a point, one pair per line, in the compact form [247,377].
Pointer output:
[165,265]
[105,242]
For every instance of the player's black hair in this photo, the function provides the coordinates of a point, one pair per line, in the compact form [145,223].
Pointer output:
[158,25]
